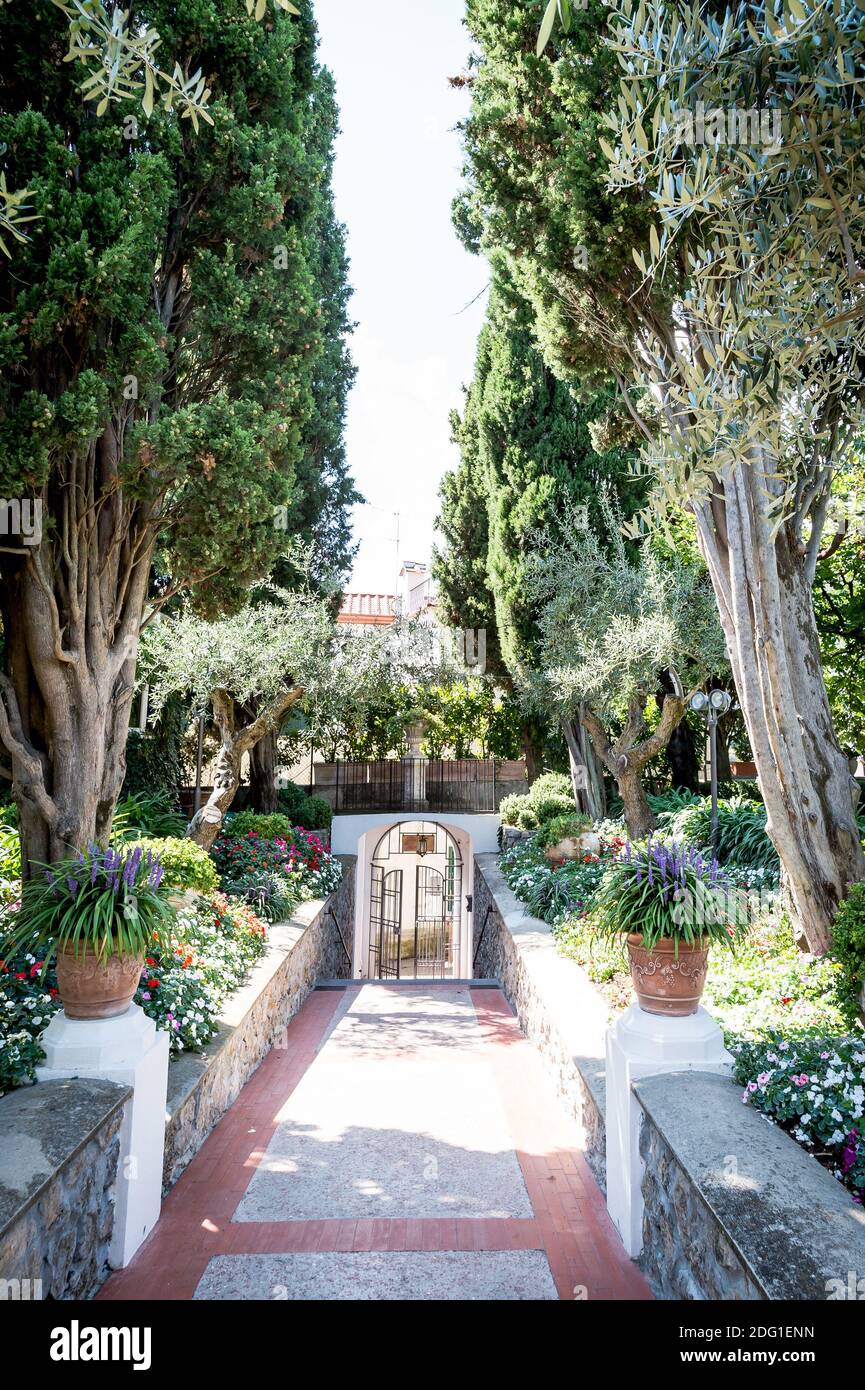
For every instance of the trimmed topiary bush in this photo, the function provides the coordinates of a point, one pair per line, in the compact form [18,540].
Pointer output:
[185,864]
[317,814]
[551,795]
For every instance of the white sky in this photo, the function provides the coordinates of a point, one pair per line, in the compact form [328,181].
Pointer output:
[397,170]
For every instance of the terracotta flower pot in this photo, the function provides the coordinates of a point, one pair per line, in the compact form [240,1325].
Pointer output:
[667,983]
[96,986]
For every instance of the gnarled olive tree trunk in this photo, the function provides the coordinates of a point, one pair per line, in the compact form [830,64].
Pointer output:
[72,609]
[586,776]
[263,756]
[235,739]
[626,756]
[762,577]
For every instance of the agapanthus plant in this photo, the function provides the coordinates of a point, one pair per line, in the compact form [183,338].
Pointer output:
[104,901]
[667,890]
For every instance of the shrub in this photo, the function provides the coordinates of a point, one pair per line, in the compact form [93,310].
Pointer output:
[291,800]
[317,814]
[299,860]
[551,795]
[268,827]
[848,946]
[185,864]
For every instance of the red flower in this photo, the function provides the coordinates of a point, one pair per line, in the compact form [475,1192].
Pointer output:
[21,975]
[786,999]
[150,960]
[34,969]
[153,984]
[54,993]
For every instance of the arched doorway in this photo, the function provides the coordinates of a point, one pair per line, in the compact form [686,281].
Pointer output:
[415,904]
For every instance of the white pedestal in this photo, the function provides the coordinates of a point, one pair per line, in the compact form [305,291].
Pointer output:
[641,1044]
[127,1049]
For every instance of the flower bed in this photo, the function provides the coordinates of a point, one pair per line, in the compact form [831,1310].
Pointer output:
[214,944]
[813,1088]
[274,875]
[770,999]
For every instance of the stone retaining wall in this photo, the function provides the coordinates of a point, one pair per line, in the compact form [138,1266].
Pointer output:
[59,1145]
[202,1085]
[734,1208]
[558,1008]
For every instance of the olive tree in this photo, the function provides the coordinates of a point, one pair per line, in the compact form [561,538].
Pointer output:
[613,627]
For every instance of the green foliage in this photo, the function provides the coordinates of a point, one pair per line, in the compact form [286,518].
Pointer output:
[273,876]
[742,837]
[154,757]
[255,654]
[526,452]
[563,828]
[185,984]
[269,827]
[468,718]
[102,902]
[551,795]
[848,946]
[141,814]
[316,814]
[185,864]
[662,891]
[10,846]
[611,624]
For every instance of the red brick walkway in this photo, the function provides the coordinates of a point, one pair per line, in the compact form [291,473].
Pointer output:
[570,1222]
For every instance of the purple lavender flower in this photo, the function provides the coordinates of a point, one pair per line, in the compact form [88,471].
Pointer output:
[72,885]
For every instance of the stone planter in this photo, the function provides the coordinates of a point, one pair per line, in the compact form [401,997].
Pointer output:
[575,846]
[96,986]
[666,981]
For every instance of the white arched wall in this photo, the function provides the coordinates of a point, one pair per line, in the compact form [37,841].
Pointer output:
[360,835]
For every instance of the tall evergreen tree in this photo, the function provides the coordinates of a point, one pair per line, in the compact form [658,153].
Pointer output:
[526,453]
[162,353]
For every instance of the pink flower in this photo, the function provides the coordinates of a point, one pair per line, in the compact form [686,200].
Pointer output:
[800,1080]
[763,1078]
[752,1086]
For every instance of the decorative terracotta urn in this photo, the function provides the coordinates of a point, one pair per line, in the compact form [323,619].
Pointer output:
[96,986]
[667,982]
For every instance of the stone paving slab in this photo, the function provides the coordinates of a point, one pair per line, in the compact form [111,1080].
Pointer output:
[399,1116]
[406,1276]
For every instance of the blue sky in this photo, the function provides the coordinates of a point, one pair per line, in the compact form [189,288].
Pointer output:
[397,169]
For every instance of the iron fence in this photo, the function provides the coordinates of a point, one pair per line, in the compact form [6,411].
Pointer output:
[415,785]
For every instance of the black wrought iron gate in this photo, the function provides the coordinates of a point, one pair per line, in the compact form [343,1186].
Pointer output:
[431,923]
[385,936]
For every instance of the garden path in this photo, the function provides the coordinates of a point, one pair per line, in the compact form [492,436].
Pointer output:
[401,1143]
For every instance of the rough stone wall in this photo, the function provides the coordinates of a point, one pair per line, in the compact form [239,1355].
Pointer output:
[686,1253]
[202,1087]
[60,1143]
[504,956]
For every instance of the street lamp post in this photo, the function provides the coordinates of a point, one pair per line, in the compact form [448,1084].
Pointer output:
[716,703]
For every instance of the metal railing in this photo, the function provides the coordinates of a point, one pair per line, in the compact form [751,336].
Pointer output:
[415,785]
